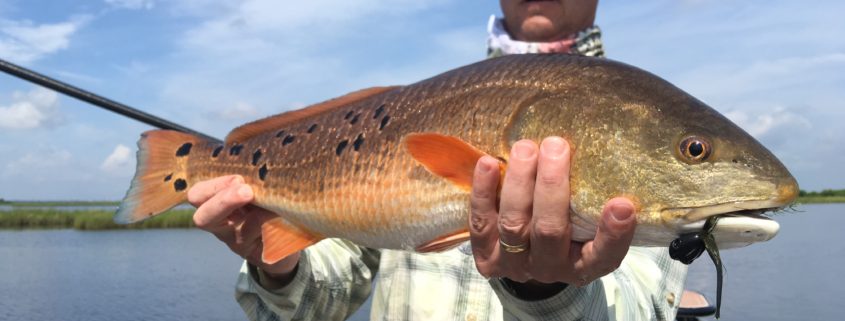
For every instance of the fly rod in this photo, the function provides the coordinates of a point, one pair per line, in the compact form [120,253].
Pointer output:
[94,99]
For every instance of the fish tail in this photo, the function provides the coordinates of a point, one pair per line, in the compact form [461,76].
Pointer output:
[161,179]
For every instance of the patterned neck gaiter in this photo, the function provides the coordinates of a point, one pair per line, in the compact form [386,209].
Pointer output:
[586,42]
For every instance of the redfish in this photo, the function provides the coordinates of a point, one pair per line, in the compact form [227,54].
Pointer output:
[391,167]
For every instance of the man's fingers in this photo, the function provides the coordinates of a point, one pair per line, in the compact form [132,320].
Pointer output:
[515,210]
[205,190]
[550,218]
[605,253]
[249,233]
[213,213]
[518,193]
[483,220]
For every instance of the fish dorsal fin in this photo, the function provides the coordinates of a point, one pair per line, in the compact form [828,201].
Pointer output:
[446,156]
[247,131]
[281,239]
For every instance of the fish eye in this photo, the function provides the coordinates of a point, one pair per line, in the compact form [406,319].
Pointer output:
[695,149]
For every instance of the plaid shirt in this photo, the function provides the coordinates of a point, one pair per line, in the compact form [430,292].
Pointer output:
[335,277]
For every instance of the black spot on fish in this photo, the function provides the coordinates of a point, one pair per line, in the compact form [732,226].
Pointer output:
[379,110]
[168,177]
[354,119]
[280,134]
[256,156]
[180,185]
[288,139]
[236,150]
[384,122]
[349,114]
[312,128]
[262,172]
[184,150]
[341,146]
[217,151]
[358,141]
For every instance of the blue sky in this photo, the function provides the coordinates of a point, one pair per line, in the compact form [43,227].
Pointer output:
[777,68]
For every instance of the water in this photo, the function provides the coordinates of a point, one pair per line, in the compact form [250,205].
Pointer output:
[796,276]
[116,275]
[189,275]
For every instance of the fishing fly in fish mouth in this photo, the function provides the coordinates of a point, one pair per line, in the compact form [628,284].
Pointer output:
[392,167]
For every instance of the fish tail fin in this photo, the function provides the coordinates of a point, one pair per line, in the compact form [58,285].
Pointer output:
[161,178]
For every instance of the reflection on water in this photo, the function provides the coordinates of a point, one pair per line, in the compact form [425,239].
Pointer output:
[189,275]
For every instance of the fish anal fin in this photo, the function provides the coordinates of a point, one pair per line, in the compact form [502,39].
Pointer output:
[281,239]
[258,127]
[446,156]
[444,242]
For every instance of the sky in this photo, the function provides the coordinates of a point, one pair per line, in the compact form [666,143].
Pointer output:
[775,67]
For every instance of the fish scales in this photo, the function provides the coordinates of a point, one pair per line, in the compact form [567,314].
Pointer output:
[352,171]
[374,192]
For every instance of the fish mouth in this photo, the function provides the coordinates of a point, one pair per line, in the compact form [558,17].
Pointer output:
[739,224]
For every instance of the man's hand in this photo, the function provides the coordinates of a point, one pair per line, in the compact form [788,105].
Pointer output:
[534,213]
[224,209]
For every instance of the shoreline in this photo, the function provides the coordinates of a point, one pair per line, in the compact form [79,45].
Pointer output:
[88,220]
[26,217]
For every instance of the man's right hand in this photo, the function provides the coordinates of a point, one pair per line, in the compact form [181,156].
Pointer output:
[224,209]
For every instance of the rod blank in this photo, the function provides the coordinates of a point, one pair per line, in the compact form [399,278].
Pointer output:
[95,99]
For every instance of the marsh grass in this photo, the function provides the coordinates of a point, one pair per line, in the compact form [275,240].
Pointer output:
[23,218]
[58,203]
[820,199]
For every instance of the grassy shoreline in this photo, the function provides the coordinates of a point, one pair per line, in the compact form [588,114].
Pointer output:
[59,203]
[21,219]
[820,199]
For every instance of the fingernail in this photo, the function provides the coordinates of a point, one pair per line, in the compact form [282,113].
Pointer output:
[553,146]
[483,166]
[245,191]
[621,212]
[523,150]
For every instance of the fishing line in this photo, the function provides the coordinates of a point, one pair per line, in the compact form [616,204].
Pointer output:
[688,247]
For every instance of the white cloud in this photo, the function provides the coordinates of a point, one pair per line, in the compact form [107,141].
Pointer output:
[118,160]
[729,81]
[132,4]
[36,163]
[23,41]
[761,124]
[238,111]
[33,109]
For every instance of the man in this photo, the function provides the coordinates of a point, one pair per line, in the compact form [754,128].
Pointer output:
[520,262]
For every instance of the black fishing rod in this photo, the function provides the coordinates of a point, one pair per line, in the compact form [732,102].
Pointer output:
[94,99]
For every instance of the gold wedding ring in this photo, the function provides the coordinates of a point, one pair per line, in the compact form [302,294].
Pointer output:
[513,248]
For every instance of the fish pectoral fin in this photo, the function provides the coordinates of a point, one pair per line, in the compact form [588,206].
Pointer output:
[281,239]
[445,156]
[444,242]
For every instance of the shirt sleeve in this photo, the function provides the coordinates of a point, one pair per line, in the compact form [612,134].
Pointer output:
[333,279]
[647,286]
